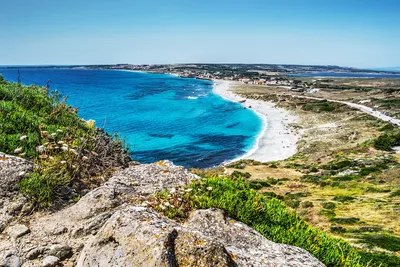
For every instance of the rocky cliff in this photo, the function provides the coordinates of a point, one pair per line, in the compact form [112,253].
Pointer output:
[112,225]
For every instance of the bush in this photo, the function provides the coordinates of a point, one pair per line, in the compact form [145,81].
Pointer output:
[388,140]
[41,127]
[271,218]
[329,205]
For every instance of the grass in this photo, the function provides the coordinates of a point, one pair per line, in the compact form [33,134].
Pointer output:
[274,221]
[39,126]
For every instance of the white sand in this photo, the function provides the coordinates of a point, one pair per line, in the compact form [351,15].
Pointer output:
[276,141]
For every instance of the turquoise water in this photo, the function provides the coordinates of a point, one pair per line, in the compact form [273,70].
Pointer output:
[160,116]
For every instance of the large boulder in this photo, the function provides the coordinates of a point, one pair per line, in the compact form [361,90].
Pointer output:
[12,170]
[138,236]
[247,246]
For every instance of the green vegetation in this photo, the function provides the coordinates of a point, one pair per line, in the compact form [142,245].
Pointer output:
[388,140]
[38,125]
[269,216]
[320,106]
[273,220]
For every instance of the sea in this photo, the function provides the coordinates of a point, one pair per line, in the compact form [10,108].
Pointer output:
[159,116]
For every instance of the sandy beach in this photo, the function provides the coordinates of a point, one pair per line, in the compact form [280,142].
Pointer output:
[276,141]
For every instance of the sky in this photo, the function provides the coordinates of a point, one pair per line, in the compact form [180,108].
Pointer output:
[356,33]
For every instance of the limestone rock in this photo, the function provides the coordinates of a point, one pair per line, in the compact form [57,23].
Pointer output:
[11,261]
[35,252]
[150,178]
[12,170]
[247,246]
[17,231]
[50,261]
[60,251]
[137,236]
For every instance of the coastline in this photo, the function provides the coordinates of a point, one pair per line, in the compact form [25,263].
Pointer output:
[275,141]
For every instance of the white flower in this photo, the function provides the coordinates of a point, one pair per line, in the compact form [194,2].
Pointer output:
[53,134]
[40,149]
[167,204]
[60,142]
[173,190]
[65,148]
[162,207]
[73,151]
[189,190]
[23,137]
[18,150]
[209,188]
[63,162]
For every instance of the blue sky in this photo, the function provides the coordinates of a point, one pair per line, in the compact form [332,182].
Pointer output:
[359,33]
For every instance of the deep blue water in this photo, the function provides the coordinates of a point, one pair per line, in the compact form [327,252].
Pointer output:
[159,116]
[346,75]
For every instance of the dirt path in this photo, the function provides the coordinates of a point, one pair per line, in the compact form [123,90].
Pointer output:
[365,109]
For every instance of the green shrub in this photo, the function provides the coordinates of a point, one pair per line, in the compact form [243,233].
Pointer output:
[271,218]
[41,127]
[238,174]
[329,205]
[343,198]
[307,204]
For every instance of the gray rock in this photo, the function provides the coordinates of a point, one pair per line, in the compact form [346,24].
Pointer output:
[17,231]
[60,251]
[147,179]
[137,236]
[247,246]
[12,170]
[50,261]
[11,261]
[35,253]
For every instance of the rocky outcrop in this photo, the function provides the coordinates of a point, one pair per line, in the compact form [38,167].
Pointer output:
[12,170]
[109,227]
[137,236]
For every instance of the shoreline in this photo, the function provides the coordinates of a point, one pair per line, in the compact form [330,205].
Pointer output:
[275,141]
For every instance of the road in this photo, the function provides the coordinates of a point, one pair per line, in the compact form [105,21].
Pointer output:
[365,109]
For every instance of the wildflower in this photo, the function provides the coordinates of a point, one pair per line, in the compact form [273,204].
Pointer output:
[63,162]
[40,149]
[162,207]
[209,188]
[23,137]
[179,199]
[52,158]
[189,190]
[18,150]
[173,190]
[167,204]
[64,148]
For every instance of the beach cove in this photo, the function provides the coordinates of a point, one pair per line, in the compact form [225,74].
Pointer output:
[276,141]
